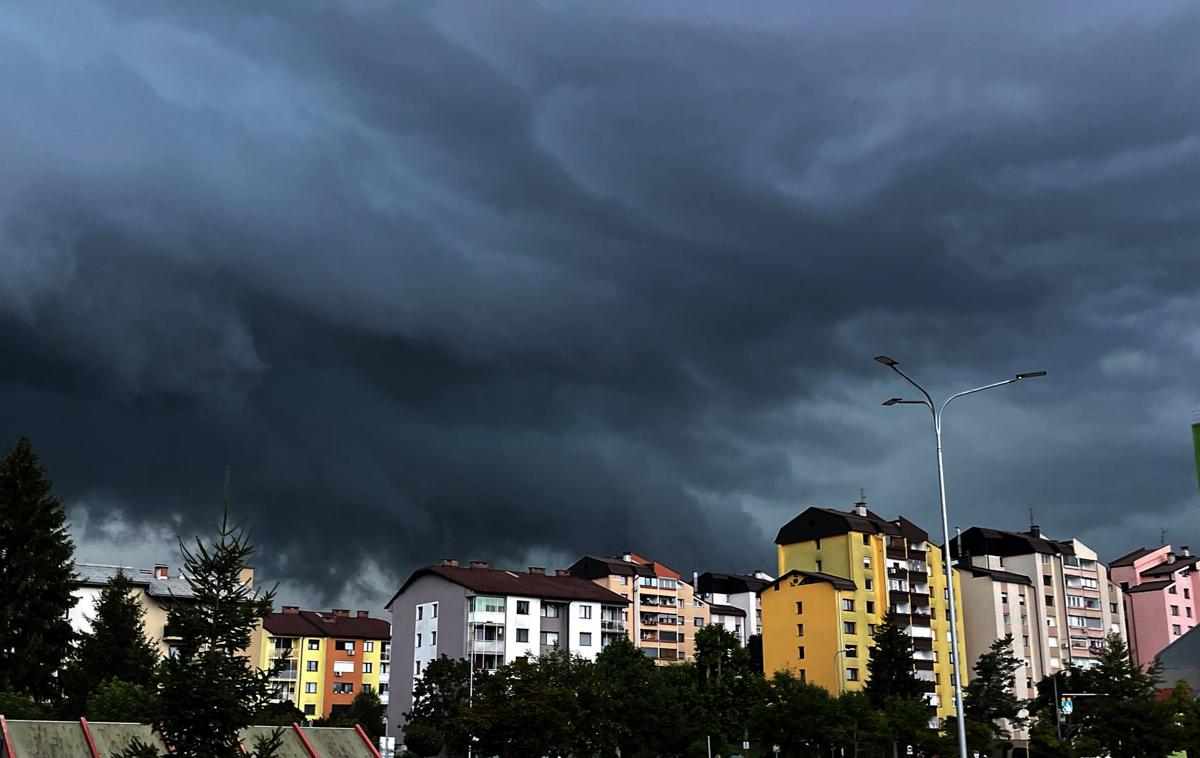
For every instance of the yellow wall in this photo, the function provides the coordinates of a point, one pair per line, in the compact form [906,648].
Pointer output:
[821,639]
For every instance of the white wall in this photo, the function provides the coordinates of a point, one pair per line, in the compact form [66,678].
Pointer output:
[428,650]
[576,625]
[513,621]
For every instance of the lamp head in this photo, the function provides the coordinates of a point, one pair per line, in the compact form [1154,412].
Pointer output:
[892,402]
[886,360]
[1030,374]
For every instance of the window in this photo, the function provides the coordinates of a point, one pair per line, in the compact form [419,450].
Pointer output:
[549,639]
[799,607]
[851,675]
[367,668]
[697,621]
[1171,590]
[343,688]
[433,638]
[1004,598]
[1112,607]
[799,630]
[522,635]
[1047,580]
[868,585]
[847,604]
[366,687]
[667,584]
[585,611]
[383,688]
[1187,593]
[818,543]
[866,561]
[368,646]
[870,606]
[1045,560]
[818,565]
[310,688]
[1025,640]
[420,612]
[803,677]
[624,580]
[310,665]
[871,629]
[523,607]
[1174,610]
[487,604]
[551,610]
[800,652]
[418,639]
[1050,601]
[585,639]
[310,709]
[867,540]
[1007,619]
[852,651]
[434,607]
[314,644]
[646,581]
[1175,629]
[848,627]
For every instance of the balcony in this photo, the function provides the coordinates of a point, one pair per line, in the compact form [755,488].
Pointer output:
[287,675]
[924,676]
[649,621]
[897,572]
[172,632]
[487,646]
[612,625]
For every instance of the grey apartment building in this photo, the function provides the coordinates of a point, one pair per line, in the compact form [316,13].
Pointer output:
[492,617]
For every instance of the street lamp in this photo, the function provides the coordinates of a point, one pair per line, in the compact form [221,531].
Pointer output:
[937,412]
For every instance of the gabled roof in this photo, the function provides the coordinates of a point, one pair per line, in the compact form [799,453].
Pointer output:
[726,610]
[999,576]
[983,541]
[599,566]
[321,624]
[797,577]
[728,584]
[815,523]
[98,575]
[1166,569]
[1129,558]
[489,581]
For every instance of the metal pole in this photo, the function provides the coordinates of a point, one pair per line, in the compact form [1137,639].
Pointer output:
[949,568]
[709,739]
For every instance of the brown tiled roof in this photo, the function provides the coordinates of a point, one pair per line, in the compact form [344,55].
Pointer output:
[1129,558]
[488,581]
[812,577]
[1150,586]
[815,523]
[727,610]
[1000,576]
[321,624]
[1166,569]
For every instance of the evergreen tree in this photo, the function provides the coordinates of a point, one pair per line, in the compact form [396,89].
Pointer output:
[369,712]
[210,691]
[440,717]
[36,577]
[1122,718]
[115,648]
[990,695]
[891,664]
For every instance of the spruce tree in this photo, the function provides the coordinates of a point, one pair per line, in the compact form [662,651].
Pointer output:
[990,695]
[210,690]
[36,576]
[115,648]
[891,664]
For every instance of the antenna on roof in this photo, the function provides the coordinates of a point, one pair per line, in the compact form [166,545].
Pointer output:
[1162,536]
[1031,521]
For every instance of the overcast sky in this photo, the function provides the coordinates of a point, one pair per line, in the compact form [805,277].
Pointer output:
[519,281]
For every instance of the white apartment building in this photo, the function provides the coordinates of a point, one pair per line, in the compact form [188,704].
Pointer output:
[733,600]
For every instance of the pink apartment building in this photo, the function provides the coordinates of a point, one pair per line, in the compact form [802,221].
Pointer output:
[1160,597]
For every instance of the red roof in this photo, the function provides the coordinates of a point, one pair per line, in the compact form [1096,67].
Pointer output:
[322,624]
[499,582]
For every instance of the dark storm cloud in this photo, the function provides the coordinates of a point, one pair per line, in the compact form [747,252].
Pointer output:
[523,281]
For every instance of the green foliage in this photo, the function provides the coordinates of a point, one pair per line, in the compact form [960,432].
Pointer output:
[117,700]
[803,718]
[279,714]
[528,707]
[990,695]
[890,665]
[36,577]
[18,705]
[440,719]
[116,647]
[366,710]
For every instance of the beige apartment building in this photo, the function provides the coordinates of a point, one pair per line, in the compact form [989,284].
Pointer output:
[1053,596]
[664,613]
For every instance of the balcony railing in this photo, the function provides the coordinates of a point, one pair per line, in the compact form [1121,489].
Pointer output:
[287,674]
[486,646]
[611,625]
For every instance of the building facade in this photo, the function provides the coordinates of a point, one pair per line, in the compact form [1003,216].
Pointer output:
[666,612]
[840,573]
[1159,588]
[492,617]
[733,600]
[1060,617]
[154,589]
[326,658]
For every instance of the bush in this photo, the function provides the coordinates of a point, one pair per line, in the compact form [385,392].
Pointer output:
[16,706]
[115,700]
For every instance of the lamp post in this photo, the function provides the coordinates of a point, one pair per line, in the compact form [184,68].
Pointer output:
[938,411]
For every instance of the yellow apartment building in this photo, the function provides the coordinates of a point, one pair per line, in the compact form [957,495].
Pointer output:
[327,658]
[839,573]
[665,612]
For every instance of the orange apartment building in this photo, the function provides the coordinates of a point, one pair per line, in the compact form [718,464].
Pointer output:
[665,612]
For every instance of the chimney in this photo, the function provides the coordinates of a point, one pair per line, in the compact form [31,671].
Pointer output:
[537,570]
[860,508]
[479,564]
[291,609]
[1035,530]
[342,613]
[450,562]
[161,571]
[560,572]
[1170,557]
[627,557]
[361,615]
[1183,550]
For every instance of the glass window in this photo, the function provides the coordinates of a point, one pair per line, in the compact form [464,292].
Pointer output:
[487,604]
[799,607]
[549,639]
[1175,629]
[870,606]
[434,607]
[852,651]
[800,652]
[1174,610]
[420,612]
[623,580]
[585,611]
[310,688]
[522,635]
[848,627]
[847,604]
[367,667]
[418,639]
[585,639]
[868,585]
[369,646]
[799,630]
[314,644]
[523,607]
[310,709]
[551,610]
[698,621]
[310,665]
[851,675]
[867,539]
[433,638]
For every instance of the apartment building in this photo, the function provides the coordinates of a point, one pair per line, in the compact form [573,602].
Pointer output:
[733,600]
[840,572]
[494,616]
[1159,588]
[154,588]
[327,657]
[1053,596]
[667,612]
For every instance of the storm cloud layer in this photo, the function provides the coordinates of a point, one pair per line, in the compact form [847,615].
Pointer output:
[516,281]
